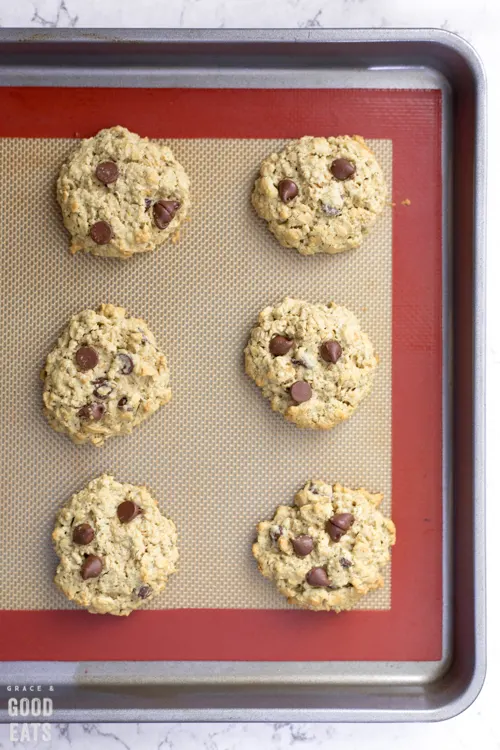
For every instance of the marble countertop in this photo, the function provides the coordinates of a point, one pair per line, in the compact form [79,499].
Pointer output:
[478,22]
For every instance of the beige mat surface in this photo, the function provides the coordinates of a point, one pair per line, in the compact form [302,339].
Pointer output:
[217,458]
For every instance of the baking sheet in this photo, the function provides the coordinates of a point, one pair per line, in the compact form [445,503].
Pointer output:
[217,458]
[384,650]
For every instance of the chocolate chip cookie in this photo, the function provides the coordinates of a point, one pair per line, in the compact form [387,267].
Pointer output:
[104,376]
[320,195]
[121,194]
[313,362]
[116,549]
[327,550]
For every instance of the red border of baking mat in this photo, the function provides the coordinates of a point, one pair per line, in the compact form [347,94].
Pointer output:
[411,630]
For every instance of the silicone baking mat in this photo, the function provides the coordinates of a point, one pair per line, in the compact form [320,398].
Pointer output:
[217,458]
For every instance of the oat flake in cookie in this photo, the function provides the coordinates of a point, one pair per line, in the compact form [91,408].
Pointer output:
[320,195]
[121,194]
[313,362]
[116,549]
[104,376]
[327,550]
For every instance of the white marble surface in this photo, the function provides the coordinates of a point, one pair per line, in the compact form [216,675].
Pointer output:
[477,727]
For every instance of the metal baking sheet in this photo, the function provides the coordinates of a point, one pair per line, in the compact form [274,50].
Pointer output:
[314,690]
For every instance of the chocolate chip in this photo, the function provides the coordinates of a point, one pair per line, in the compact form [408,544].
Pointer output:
[317,577]
[338,525]
[287,190]
[342,169]
[148,202]
[103,388]
[127,511]
[164,212]
[83,533]
[101,232]
[280,345]
[126,364]
[333,531]
[122,403]
[331,351]
[107,172]
[330,210]
[343,521]
[86,358]
[144,591]
[345,562]
[92,567]
[302,545]
[93,412]
[275,533]
[301,391]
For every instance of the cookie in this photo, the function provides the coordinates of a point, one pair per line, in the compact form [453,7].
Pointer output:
[104,376]
[327,550]
[320,195]
[116,549]
[121,194]
[313,362]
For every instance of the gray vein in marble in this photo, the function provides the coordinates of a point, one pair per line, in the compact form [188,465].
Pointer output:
[314,22]
[166,743]
[63,17]
[448,27]
[223,731]
[292,734]
[63,730]
[93,730]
